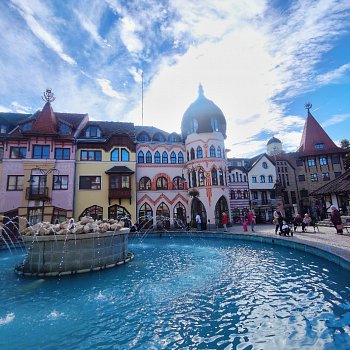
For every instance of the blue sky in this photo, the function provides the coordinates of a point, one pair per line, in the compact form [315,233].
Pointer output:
[259,61]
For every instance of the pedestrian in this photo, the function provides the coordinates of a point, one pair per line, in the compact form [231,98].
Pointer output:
[245,225]
[198,222]
[278,220]
[224,221]
[336,220]
[306,222]
[251,219]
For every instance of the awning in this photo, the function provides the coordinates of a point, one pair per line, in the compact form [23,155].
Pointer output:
[119,170]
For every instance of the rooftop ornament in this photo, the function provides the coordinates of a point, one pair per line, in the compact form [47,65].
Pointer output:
[48,96]
[308,106]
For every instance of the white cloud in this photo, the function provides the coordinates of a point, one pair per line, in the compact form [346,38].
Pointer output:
[4,109]
[336,119]
[107,89]
[334,75]
[17,107]
[128,28]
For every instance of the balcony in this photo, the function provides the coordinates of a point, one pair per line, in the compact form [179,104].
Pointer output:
[37,193]
[119,193]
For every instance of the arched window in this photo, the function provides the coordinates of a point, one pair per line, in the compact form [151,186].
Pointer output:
[270,179]
[221,177]
[214,177]
[148,157]
[262,178]
[165,158]
[173,138]
[212,151]
[93,131]
[162,183]
[145,217]
[115,155]
[157,157]
[199,152]
[158,137]
[245,194]
[95,211]
[140,157]
[233,178]
[193,156]
[180,158]
[201,178]
[178,183]
[240,178]
[145,183]
[188,156]
[239,194]
[193,126]
[125,155]
[218,152]
[163,216]
[232,194]
[194,178]
[179,215]
[118,212]
[173,158]
[143,137]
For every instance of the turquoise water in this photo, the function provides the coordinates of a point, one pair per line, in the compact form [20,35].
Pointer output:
[182,293]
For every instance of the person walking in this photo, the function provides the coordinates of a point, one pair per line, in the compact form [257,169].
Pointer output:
[336,219]
[224,221]
[251,219]
[278,220]
[198,222]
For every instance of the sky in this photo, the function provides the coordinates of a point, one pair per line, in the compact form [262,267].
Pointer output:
[259,61]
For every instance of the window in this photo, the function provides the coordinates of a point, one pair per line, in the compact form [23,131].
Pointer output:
[180,158]
[314,177]
[214,124]
[255,195]
[91,155]
[41,152]
[301,177]
[218,154]
[140,157]
[299,162]
[62,153]
[264,165]
[173,138]
[145,184]
[337,174]
[240,178]
[173,158]
[27,126]
[143,137]
[262,178]
[15,182]
[325,176]
[178,183]
[158,137]
[212,151]
[319,145]
[64,129]
[93,131]
[165,158]
[192,154]
[221,177]
[90,182]
[60,182]
[245,194]
[162,183]
[214,177]
[335,159]
[323,161]
[232,194]
[304,193]
[18,152]
[194,178]
[148,157]
[157,157]
[254,179]
[115,155]
[294,197]
[119,181]
[193,126]
[3,129]
[125,155]
[270,179]
[311,162]
[199,152]
[201,178]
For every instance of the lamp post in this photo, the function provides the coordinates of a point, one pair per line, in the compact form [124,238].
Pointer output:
[38,185]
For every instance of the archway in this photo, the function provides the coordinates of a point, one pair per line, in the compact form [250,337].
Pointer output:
[163,216]
[95,211]
[220,207]
[118,212]
[179,215]
[145,219]
[197,207]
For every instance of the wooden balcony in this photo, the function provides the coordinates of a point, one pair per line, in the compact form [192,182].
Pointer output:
[119,193]
[37,193]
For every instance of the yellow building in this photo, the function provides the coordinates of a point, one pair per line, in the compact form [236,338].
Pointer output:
[105,186]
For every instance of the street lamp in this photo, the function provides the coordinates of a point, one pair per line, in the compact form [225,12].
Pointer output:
[38,189]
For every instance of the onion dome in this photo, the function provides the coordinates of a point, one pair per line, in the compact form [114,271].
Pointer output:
[274,140]
[274,146]
[203,116]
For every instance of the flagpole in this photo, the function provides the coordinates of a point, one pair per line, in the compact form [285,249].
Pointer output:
[142,97]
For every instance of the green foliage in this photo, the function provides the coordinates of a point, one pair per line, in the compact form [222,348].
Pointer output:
[346,145]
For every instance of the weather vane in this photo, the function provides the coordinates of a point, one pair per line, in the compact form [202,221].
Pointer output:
[308,106]
[48,96]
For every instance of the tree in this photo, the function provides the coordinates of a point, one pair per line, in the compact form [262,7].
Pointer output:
[346,145]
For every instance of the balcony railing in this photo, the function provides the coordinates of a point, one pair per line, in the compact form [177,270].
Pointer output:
[37,193]
[119,193]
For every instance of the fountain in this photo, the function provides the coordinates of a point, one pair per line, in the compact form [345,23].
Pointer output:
[69,248]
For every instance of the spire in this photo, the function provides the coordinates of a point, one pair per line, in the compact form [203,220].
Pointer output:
[314,134]
[200,90]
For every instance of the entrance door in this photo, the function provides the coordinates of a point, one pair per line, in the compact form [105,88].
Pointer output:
[197,207]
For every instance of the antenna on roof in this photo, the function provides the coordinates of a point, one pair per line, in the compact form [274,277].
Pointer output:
[142,98]
[308,106]
[48,96]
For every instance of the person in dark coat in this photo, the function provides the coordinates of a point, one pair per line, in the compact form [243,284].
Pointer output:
[336,219]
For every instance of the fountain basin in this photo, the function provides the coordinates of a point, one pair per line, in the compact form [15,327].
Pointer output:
[69,254]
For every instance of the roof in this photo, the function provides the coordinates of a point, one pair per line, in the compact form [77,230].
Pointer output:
[11,120]
[108,129]
[150,130]
[119,169]
[273,140]
[314,134]
[339,185]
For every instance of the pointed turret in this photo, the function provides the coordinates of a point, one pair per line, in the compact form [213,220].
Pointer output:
[46,122]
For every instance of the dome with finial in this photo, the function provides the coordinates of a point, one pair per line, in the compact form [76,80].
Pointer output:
[203,116]
[274,140]
[274,146]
